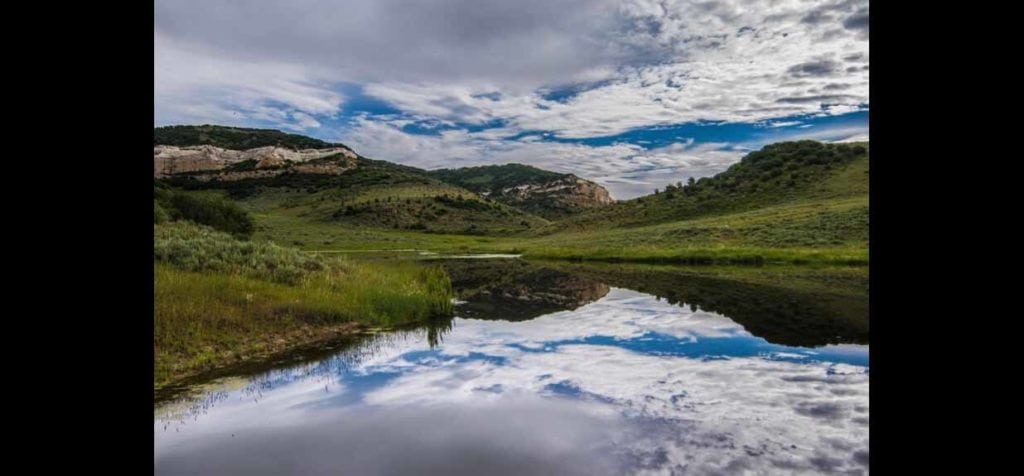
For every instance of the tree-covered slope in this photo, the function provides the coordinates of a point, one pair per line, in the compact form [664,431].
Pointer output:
[779,173]
[236,138]
[542,192]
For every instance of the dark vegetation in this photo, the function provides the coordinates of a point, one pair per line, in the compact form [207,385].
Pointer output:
[236,138]
[445,213]
[367,174]
[788,311]
[517,290]
[215,212]
[492,180]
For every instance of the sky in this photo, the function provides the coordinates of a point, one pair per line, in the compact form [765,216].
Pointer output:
[633,94]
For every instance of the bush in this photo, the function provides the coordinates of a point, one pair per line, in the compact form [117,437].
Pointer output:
[214,212]
[198,248]
[159,214]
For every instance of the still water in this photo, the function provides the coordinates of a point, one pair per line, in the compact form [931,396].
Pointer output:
[555,369]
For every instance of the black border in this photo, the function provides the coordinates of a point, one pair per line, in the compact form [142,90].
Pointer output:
[110,338]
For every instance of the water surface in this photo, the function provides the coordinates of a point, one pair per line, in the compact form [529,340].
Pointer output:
[559,370]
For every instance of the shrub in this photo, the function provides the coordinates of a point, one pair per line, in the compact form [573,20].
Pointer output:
[214,212]
[159,214]
[199,248]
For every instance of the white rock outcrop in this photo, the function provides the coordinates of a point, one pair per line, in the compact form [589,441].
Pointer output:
[171,160]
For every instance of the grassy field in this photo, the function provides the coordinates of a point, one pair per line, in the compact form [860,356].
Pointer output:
[789,172]
[822,231]
[801,203]
[220,300]
[793,202]
[376,194]
[292,260]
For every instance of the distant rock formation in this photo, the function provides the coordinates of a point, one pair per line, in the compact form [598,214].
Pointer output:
[206,162]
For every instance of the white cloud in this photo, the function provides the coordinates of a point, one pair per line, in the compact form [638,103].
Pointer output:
[627,170]
[195,85]
[661,410]
[632,64]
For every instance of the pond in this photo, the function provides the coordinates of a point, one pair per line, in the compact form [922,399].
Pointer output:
[561,369]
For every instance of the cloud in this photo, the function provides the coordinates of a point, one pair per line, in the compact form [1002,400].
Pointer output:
[657,62]
[508,393]
[487,70]
[822,67]
[481,41]
[627,170]
[195,85]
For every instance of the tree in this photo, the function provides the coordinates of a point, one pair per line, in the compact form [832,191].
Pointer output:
[690,182]
[655,191]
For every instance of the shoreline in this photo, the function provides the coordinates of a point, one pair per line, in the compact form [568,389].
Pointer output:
[262,353]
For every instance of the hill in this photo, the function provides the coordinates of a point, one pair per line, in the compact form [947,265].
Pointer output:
[328,185]
[548,194]
[792,202]
[779,173]
[236,138]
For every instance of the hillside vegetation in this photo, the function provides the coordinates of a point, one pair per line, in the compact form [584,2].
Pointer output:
[544,193]
[795,202]
[778,173]
[237,138]
[220,300]
[375,194]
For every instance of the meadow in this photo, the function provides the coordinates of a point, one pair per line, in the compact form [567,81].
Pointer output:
[220,300]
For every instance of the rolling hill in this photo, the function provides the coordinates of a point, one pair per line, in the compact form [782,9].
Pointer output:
[801,201]
[331,183]
[545,193]
[779,173]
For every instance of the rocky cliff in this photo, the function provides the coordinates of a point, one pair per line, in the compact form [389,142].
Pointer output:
[567,192]
[545,193]
[206,162]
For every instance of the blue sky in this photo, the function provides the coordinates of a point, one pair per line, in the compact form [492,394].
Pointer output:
[633,94]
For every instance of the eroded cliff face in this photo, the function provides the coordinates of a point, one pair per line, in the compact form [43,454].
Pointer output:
[568,192]
[205,162]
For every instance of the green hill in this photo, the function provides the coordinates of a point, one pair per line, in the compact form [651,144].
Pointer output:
[237,138]
[791,202]
[779,173]
[375,194]
[494,178]
[548,194]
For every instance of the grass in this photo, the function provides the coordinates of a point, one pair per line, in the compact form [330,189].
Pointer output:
[220,300]
[823,231]
[795,202]
[788,172]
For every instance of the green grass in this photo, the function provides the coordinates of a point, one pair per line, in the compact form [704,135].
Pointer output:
[233,137]
[798,202]
[375,194]
[491,180]
[780,173]
[827,231]
[220,300]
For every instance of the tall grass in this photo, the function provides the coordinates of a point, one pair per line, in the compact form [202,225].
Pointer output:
[198,248]
[219,299]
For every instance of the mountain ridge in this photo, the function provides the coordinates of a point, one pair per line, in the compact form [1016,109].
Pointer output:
[543,192]
[202,157]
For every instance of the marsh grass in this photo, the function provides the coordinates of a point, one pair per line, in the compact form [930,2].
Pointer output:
[194,247]
[220,300]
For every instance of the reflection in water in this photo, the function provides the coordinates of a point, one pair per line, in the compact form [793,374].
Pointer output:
[783,315]
[515,290]
[612,382]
